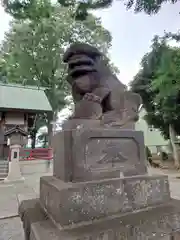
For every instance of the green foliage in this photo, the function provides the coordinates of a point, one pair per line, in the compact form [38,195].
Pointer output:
[167,85]
[141,83]
[147,6]
[167,82]
[35,9]
[28,9]
[158,84]
[82,7]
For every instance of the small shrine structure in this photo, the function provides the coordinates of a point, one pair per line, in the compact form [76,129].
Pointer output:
[16,137]
[19,106]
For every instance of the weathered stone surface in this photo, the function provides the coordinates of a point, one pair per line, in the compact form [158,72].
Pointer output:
[8,202]
[176,236]
[74,203]
[146,191]
[63,164]
[80,123]
[30,211]
[154,224]
[89,154]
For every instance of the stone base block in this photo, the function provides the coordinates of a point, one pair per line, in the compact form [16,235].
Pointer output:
[14,174]
[13,180]
[161,223]
[30,211]
[88,154]
[70,204]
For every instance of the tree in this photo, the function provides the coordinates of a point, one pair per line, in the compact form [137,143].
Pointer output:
[141,84]
[167,85]
[35,8]
[147,6]
[158,84]
[32,52]
[28,9]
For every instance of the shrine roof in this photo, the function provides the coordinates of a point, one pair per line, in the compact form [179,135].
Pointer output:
[24,98]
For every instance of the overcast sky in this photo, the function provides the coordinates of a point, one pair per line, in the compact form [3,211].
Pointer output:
[132,33]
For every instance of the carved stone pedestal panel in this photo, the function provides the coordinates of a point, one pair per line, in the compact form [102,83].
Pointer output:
[92,154]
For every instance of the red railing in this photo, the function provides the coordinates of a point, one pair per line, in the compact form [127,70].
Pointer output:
[36,153]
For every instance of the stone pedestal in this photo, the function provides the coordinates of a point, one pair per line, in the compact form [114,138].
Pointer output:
[76,203]
[14,173]
[96,153]
[86,198]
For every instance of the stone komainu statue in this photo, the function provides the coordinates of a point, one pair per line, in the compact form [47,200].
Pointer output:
[97,92]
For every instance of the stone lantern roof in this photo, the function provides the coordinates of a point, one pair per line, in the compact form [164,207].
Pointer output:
[15,130]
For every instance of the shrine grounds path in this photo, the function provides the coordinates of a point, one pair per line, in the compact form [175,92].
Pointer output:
[11,194]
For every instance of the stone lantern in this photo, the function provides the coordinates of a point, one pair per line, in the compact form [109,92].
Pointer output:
[16,136]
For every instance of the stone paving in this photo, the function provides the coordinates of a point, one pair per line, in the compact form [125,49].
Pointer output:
[173,180]
[11,229]
[11,194]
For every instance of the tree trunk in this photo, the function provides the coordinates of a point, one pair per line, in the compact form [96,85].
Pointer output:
[50,133]
[172,135]
[33,141]
[50,128]
[45,141]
